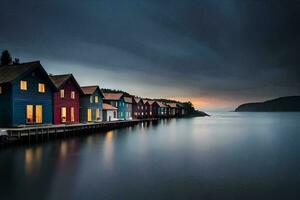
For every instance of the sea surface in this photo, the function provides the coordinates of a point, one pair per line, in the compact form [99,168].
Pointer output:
[225,156]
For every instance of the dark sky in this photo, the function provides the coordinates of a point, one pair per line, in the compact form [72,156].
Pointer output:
[217,53]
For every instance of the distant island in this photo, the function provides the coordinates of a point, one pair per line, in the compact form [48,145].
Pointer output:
[282,104]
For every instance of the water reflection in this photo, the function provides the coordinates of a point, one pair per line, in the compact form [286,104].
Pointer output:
[32,160]
[218,156]
[108,150]
[63,150]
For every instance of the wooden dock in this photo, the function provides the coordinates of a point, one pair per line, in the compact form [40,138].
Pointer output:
[45,132]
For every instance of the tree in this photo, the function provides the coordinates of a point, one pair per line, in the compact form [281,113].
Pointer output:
[5,58]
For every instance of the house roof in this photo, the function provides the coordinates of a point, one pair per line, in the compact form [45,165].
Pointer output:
[9,73]
[128,99]
[88,90]
[107,106]
[136,99]
[144,101]
[151,102]
[160,104]
[112,96]
[172,105]
[180,105]
[60,80]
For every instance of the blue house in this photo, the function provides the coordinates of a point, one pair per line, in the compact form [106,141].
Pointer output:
[91,104]
[25,95]
[116,100]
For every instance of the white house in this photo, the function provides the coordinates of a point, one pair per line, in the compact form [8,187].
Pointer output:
[110,113]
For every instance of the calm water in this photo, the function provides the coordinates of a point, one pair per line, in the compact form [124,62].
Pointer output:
[227,156]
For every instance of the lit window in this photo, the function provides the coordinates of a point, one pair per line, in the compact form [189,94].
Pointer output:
[41,88]
[96,99]
[91,99]
[63,114]
[72,114]
[72,95]
[23,85]
[138,107]
[0,90]
[62,93]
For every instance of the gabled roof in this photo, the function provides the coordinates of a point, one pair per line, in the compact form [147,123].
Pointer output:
[128,99]
[151,102]
[107,106]
[60,80]
[144,101]
[180,105]
[88,90]
[112,96]
[160,104]
[9,73]
[136,99]
[172,105]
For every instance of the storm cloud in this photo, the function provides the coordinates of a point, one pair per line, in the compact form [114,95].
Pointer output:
[228,50]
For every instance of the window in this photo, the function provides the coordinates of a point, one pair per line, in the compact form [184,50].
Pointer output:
[97,114]
[29,114]
[89,115]
[0,90]
[96,99]
[41,87]
[23,85]
[72,114]
[72,95]
[91,99]
[138,107]
[38,114]
[63,114]
[62,93]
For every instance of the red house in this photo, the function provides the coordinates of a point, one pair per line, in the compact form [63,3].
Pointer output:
[66,99]
[137,108]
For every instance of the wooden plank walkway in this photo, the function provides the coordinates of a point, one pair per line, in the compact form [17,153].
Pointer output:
[47,131]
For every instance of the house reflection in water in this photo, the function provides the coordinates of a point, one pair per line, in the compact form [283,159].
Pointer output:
[32,159]
[108,150]
[63,150]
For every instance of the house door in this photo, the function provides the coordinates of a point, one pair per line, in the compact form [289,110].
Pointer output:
[89,115]
[72,114]
[63,114]
[38,114]
[98,114]
[29,114]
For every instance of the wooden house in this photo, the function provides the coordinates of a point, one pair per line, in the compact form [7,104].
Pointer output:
[25,95]
[109,112]
[146,108]
[181,111]
[151,109]
[161,109]
[91,104]
[116,100]
[66,100]
[173,109]
[137,108]
[128,108]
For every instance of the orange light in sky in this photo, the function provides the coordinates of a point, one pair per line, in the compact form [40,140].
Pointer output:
[206,102]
